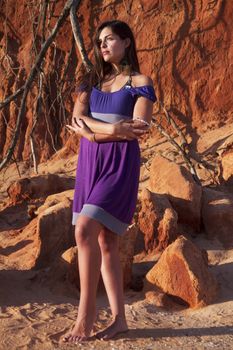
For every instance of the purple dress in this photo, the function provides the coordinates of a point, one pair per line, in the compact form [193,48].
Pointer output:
[107,174]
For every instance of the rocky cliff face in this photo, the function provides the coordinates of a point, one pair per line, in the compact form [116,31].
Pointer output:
[185,46]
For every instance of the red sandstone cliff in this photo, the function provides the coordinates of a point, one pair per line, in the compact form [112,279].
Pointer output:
[185,46]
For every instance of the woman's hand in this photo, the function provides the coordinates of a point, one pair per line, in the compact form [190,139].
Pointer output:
[80,128]
[130,129]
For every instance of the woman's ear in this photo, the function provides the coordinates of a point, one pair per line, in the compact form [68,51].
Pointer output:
[127,42]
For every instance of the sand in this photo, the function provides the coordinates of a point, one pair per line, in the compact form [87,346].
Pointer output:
[35,315]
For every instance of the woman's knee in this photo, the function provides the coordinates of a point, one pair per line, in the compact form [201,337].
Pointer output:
[108,241]
[86,230]
[81,234]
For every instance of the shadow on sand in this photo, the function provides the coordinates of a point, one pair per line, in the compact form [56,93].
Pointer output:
[182,332]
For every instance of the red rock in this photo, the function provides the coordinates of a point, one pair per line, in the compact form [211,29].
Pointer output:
[227,166]
[54,228]
[182,191]
[159,299]
[70,257]
[38,187]
[44,238]
[217,215]
[20,247]
[182,272]
[157,221]
[126,249]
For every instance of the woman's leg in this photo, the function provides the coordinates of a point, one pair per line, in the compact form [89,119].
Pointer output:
[112,277]
[89,259]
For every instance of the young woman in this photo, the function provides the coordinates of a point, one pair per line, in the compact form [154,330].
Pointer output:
[113,108]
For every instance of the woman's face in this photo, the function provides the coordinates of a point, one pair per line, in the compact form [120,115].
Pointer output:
[111,46]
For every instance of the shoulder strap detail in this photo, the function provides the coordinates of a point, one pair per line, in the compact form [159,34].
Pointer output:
[128,84]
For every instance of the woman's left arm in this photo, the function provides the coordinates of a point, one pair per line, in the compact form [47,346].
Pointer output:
[143,107]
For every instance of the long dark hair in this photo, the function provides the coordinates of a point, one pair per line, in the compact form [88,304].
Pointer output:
[101,68]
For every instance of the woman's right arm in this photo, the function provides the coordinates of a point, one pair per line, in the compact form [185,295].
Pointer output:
[122,130]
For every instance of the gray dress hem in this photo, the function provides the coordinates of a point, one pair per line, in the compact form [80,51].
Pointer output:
[101,215]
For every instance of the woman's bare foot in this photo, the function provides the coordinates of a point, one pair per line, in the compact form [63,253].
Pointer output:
[117,326]
[80,332]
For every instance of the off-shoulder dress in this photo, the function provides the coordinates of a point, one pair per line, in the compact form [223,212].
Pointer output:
[107,175]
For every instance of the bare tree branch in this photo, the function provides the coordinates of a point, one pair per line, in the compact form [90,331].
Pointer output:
[180,150]
[12,97]
[17,167]
[172,122]
[35,118]
[78,36]
[45,8]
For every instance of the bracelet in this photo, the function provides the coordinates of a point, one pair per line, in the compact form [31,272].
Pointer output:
[143,121]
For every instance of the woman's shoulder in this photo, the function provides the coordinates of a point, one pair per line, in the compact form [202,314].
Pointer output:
[139,79]
[142,85]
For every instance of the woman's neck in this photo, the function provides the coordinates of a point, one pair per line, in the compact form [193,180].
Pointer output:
[116,68]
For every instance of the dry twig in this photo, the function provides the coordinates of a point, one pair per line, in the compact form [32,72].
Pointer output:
[179,148]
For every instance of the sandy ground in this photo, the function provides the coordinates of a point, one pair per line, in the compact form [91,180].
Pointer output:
[35,317]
